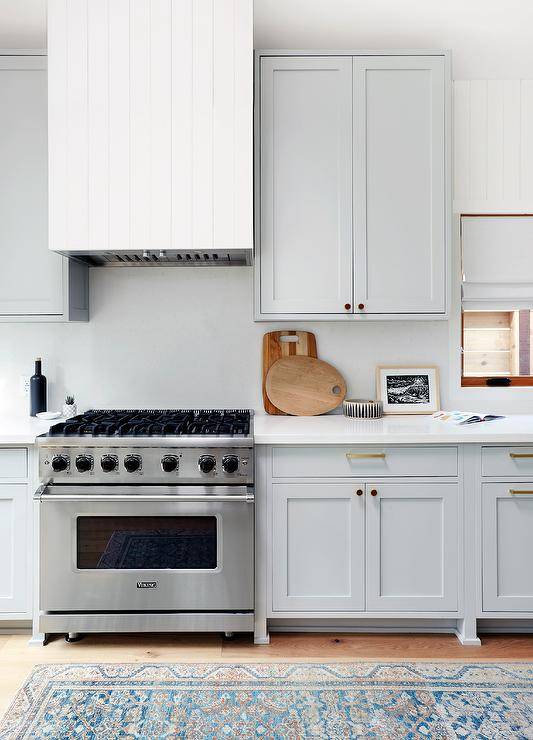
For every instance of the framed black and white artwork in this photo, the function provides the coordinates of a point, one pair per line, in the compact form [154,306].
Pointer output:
[408,390]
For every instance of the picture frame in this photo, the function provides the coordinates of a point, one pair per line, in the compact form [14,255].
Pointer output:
[408,389]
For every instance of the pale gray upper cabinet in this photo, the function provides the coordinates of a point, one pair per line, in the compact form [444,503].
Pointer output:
[35,284]
[352,186]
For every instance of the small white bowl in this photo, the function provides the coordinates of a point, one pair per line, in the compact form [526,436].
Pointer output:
[48,415]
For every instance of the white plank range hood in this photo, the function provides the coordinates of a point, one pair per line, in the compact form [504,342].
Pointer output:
[150,131]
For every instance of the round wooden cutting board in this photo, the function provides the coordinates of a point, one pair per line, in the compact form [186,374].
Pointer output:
[304,386]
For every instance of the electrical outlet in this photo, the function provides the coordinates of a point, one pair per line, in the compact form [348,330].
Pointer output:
[25,385]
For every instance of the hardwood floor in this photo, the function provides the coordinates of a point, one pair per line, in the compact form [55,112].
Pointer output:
[17,658]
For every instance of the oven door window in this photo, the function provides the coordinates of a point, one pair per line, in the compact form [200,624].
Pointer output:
[146,542]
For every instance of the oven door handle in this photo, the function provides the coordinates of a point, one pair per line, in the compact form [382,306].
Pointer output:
[43,497]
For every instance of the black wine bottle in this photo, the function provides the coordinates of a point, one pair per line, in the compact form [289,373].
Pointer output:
[37,390]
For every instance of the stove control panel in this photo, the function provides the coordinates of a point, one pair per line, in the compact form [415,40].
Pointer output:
[170,465]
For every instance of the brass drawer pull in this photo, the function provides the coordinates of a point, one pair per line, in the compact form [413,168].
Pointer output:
[514,492]
[363,455]
[520,454]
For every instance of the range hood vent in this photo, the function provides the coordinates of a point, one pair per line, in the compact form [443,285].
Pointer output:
[170,258]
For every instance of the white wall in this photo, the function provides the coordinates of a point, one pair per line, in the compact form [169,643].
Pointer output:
[185,337]
[488,38]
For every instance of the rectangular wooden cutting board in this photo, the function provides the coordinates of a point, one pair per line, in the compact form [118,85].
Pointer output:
[275,347]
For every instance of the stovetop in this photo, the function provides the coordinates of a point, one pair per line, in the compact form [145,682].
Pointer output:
[211,447]
[156,423]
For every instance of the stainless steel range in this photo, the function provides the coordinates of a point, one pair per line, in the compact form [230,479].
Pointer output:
[146,522]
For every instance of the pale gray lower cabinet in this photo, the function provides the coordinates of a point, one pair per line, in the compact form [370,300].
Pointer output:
[412,540]
[15,534]
[35,283]
[319,547]
[353,201]
[329,539]
[507,513]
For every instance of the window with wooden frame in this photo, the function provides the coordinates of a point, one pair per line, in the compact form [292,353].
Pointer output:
[497,344]
[497,300]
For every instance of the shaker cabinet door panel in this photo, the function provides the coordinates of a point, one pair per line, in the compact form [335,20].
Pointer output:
[317,547]
[507,547]
[399,184]
[31,278]
[412,541]
[14,554]
[306,191]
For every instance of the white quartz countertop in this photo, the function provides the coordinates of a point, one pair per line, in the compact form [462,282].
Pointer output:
[334,429]
[22,430]
[337,429]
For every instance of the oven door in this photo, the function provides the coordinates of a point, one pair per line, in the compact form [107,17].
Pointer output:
[143,548]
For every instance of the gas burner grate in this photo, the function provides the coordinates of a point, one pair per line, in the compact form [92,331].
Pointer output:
[155,423]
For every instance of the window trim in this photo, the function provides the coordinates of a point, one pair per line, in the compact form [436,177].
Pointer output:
[480,381]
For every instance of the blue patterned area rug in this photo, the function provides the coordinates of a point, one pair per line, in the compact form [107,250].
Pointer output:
[343,700]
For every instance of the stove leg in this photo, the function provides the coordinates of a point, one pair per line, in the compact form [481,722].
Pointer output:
[73,637]
[228,635]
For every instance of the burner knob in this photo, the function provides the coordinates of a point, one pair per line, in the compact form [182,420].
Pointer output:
[169,463]
[84,463]
[132,463]
[109,463]
[230,463]
[207,463]
[59,463]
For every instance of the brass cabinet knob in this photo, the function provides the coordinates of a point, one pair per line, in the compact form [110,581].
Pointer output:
[359,492]
[347,306]
[373,492]
[361,306]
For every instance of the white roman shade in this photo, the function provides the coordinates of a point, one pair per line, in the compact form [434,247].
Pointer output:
[497,262]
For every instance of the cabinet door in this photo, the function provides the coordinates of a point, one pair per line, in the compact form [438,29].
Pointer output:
[399,184]
[31,278]
[306,191]
[412,536]
[14,565]
[317,547]
[507,547]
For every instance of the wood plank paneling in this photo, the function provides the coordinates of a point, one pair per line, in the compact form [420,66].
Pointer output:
[151,118]
[140,121]
[160,123]
[119,125]
[487,363]
[202,117]
[461,139]
[77,201]
[223,123]
[495,167]
[98,122]
[487,319]
[511,141]
[493,145]
[182,136]
[57,122]
[243,123]
[478,140]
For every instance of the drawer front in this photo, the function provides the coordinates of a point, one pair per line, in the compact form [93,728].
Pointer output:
[13,463]
[354,462]
[507,461]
